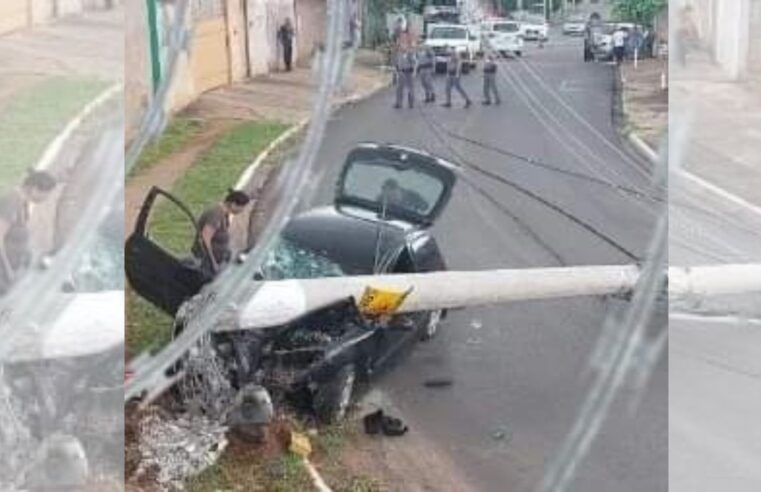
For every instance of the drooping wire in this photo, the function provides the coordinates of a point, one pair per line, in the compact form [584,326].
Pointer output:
[534,196]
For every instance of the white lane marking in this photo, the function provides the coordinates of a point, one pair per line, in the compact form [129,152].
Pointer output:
[704,318]
[722,192]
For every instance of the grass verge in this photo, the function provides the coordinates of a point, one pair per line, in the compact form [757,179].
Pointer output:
[204,184]
[178,133]
[272,468]
[34,118]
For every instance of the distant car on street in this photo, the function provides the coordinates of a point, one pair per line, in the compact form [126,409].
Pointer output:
[442,37]
[534,28]
[502,36]
[574,26]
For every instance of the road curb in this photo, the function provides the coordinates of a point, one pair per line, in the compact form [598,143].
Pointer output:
[245,179]
[640,146]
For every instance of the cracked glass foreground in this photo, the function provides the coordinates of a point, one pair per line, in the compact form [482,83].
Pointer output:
[62,301]
[563,394]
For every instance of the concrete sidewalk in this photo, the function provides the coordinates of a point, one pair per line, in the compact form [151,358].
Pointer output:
[723,119]
[86,45]
[287,96]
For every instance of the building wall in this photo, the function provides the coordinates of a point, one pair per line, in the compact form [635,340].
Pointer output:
[236,35]
[311,20]
[137,89]
[14,14]
[19,14]
[754,44]
[731,41]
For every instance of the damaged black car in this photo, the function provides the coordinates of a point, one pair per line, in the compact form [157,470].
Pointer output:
[387,198]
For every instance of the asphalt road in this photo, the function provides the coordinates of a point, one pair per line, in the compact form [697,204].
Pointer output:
[521,371]
[714,369]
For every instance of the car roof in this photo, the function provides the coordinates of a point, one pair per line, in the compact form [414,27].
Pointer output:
[409,150]
[346,236]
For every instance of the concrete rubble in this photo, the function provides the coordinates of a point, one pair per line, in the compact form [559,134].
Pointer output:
[173,449]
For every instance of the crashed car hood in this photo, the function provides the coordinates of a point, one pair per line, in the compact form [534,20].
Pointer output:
[88,324]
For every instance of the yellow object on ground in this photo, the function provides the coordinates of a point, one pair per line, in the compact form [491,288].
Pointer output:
[300,445]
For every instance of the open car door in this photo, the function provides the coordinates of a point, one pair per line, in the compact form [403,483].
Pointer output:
[396,183]
[159,263]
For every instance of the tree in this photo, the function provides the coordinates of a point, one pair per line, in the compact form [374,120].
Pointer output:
[639,11]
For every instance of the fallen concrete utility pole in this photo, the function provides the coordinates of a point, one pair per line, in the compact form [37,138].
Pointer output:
[280,302]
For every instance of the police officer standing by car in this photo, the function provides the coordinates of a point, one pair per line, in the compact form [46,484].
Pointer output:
[454,72]
[405,77]
[426,60]
[490,81]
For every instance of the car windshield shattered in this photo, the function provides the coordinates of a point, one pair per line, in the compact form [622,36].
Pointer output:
[287,260]
[100,269]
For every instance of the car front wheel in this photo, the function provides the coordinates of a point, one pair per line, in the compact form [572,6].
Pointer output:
[332,399]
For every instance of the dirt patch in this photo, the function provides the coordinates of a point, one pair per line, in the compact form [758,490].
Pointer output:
[405,464]
[168,170]
[645,102]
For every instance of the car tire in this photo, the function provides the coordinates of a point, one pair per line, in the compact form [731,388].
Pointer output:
[333,398]
[431,326]
[519,54]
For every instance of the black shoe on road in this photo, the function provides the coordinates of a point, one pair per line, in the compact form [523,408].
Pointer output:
[486,103]
[467,104]
[446,105]
[396,106]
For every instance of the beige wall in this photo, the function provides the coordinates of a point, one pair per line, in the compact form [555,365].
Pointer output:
[14,14]
[236,34]
[137,71]
[311,19]
[754,52]
[264,19]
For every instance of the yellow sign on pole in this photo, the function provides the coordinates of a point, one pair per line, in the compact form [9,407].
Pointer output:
[376,301]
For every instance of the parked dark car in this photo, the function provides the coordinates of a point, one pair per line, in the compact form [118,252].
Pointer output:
[387,197]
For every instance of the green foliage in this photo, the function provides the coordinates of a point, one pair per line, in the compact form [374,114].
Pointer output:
[639,11]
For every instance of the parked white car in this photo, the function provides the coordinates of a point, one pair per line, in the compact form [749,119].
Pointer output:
[442,37]
[502,36]
[534,29]
[574,26]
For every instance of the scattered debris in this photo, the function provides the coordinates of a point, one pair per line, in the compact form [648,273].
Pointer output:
[300,445]
[372,422]
[502,433]
[473,341]
[173,449]
[377,422]
[438,383]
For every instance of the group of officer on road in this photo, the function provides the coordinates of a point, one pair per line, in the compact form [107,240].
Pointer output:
[410,62]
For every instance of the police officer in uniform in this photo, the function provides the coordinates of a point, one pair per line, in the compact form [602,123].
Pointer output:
[425,68]
[490,81]
[454,71]
[405,75]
